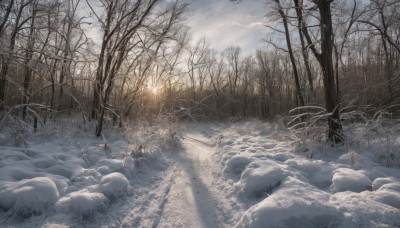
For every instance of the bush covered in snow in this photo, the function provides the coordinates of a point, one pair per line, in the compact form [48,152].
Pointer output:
[82,204]
[261,177]
[113,185]
[379,182]
[294,204]
[345,179]
[107,166]
[28,197]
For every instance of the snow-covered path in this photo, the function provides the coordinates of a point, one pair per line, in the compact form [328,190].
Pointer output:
[183,195]
[248,174]
[190,202]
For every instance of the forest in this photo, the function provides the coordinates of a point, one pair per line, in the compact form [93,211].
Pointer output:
[144,63]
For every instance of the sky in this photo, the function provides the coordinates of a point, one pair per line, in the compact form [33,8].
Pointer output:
[225,23]
[222,22]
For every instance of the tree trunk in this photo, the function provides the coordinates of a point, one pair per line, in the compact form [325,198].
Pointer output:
[335,127]
[291,55]
[7,60]
[304,50]
[28,59]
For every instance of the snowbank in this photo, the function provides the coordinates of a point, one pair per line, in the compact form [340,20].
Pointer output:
[311,184]
[67,171]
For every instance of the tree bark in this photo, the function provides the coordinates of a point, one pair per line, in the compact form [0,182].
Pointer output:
[335,132]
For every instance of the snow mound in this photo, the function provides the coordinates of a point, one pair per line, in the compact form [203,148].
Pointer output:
[83,204]
[28,197]
[60,170]
[388,197]
[294,204]
[261,177]
[391,186]
[107,166]
[345,179]
[362,210]
[17,172]
[85,177]
[113,185]
[226,155]
[93,154]
[44,161]
[236,164]
[61,182]
[318,173]
[379,182]
[282,156]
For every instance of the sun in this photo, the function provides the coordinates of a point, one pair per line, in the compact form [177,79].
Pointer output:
[155,90]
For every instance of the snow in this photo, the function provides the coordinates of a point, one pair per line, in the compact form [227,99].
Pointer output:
[236,164]
[345,179]
[28,197]
[244,174]
[386,196]
[391,186]
[361,209]
[60,170]
[113,185]
[380,181]
[82,204]
[320,186]
[294,204]
[107,166]
[261,177]
[317,172]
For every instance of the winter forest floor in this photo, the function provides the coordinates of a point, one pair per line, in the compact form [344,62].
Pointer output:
[245,174]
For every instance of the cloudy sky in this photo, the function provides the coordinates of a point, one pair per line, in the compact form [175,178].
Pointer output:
[224,23]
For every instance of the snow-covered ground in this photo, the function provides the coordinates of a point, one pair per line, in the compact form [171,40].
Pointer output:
[246,174]
[279,184]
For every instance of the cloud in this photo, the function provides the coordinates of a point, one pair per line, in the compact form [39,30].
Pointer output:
[224,23]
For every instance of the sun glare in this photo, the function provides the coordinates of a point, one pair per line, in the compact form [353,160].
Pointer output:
[155,90]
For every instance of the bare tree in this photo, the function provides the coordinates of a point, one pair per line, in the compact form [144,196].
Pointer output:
[325,60]
[290,52]
[9,49]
